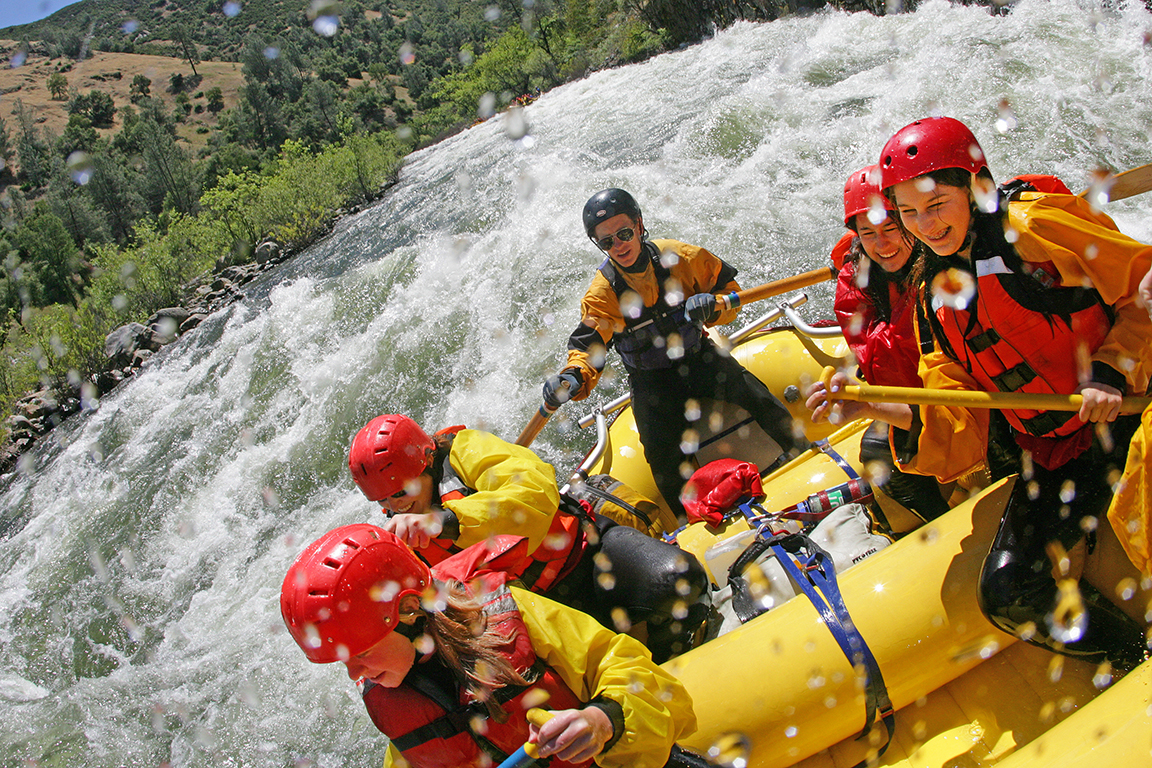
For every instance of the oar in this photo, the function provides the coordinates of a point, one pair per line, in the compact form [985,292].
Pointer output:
[527,754]
[777,287]
[965,398]
[539,419]
[1134,181]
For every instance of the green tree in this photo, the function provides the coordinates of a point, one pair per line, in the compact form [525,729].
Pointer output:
[215,99]
[34,153]
[170,181]
[51,253]
[140,88]
[97,106]
[57,85]
[79,135]
[113,190]
[5,150]
[73,205]
[187,47]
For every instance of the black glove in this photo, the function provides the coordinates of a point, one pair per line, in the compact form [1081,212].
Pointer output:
[701,308]
[560,388]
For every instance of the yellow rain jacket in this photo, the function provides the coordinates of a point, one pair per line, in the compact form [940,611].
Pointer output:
[595,661]
[1131,510]
[515,490]
[1087,249]
[697,271]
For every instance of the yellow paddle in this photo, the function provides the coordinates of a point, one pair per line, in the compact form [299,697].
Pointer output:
[1134,181]
[535,424]
[966,398]
[777,287]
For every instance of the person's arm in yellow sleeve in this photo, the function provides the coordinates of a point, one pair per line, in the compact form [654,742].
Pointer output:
[1087,249]
[588,345]
[710,274]
[516,490]
[598,664]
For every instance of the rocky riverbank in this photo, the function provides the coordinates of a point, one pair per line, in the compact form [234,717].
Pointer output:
[128,349]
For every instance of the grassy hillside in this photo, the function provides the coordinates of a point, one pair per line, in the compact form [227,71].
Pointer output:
[112,73]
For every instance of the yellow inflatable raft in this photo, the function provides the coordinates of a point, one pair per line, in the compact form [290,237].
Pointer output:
[779,691]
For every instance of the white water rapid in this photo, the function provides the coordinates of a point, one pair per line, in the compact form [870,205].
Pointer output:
[142,545]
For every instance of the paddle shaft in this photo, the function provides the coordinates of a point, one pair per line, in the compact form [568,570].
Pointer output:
[1132,182]
[532,429]
[866,393]
[776,287]
[527,754]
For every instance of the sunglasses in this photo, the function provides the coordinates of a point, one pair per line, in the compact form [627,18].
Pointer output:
[624,235]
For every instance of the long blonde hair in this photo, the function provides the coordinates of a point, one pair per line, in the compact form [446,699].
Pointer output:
[470,648]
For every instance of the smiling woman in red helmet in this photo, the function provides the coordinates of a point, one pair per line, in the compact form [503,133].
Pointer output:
[874,306]
[448,671]
[1027,293]
[461,486]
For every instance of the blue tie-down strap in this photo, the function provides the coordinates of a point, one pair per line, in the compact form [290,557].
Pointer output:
[827,449]
[815,574]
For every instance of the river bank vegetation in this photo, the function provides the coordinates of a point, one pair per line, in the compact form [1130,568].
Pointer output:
[114,216]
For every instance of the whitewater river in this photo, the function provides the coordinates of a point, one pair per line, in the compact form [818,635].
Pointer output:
[142,545]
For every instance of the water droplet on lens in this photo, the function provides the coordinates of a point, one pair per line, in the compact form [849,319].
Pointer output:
[954,288]
[1068,620]
[326,26]
[80,167]
[731,750]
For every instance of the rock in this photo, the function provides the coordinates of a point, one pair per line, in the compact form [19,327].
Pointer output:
[267,251]
[20,426]
[165,324]
[38,405]
[106,381]
[122,344]
[142,356]
[193,321]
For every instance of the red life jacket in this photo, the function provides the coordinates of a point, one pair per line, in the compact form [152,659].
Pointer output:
[563,545]
[1047,331]
[436,727]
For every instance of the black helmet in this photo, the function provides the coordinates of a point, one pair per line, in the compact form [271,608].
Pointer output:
[604,205]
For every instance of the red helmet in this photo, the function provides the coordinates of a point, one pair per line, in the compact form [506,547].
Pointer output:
[388,452]
[929,145]
[342,594]
[862,193]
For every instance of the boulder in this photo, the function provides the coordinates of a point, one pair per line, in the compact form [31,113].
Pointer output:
[193,321]
[122,344]
[165,323]
[267,251]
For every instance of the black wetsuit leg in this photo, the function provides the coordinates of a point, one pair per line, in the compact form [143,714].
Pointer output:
[1016,583]
[659,399]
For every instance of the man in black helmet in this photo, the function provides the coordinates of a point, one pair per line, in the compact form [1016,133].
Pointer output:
[636,303]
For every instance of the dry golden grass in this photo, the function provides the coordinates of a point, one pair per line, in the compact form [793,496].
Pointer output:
[111,73]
